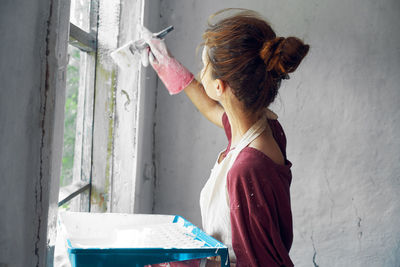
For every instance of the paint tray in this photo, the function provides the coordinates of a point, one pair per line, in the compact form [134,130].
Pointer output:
[117,239]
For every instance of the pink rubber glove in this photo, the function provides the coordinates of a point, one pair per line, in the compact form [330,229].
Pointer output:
[171,72]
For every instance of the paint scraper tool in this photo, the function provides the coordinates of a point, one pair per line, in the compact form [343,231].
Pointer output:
[124,56]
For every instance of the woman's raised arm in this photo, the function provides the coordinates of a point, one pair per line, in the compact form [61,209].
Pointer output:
[177,78]
[210,108]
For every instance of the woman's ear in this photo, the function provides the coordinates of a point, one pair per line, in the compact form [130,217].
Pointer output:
[220,87]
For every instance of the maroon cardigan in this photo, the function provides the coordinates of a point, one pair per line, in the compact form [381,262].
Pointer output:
[259,194]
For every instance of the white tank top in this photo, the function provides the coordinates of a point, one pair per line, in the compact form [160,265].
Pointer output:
[214,198]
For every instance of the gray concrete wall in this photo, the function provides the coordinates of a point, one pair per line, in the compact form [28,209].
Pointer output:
[145,170]
[32,82]
[341,115]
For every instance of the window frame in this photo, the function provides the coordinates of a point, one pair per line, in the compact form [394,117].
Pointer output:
[78,193]
[120,166]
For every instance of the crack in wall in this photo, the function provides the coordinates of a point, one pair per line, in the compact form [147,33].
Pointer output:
[359,219]
[315,252]
[43,111]
[153,155]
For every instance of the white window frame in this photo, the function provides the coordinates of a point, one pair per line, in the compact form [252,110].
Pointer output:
[78,192]
[110,164]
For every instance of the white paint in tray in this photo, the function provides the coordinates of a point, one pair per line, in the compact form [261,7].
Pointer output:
[108,230]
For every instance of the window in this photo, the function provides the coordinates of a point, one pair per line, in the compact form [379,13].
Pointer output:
[100,161]
[75,180]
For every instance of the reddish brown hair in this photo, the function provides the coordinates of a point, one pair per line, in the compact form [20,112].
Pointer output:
[244,51]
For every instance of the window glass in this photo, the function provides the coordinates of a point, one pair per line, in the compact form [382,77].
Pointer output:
[70,115]
[80,13]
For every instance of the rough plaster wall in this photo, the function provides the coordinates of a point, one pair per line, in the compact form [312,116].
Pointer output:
[341,115]
[32,72]
[19,139]
[145,171]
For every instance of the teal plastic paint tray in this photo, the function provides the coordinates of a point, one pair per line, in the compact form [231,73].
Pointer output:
[116,239]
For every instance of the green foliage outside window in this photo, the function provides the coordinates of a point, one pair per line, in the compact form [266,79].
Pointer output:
[71,103]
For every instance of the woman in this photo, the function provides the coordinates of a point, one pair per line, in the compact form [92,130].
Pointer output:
[246,201]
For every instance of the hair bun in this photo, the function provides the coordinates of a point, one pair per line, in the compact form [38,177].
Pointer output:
[283,55]
[270,52]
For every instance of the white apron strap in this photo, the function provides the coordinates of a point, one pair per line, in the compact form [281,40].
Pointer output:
[255,130]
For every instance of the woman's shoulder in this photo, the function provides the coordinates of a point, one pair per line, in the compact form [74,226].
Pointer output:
[253,165]
[251,158]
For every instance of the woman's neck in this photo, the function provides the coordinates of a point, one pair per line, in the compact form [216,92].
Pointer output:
[240,122]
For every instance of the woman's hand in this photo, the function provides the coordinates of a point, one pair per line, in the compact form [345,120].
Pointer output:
[171,72]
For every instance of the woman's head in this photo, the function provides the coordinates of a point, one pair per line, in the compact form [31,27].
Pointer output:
[244,52]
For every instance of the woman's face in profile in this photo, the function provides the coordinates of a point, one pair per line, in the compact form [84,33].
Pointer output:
[206,77]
